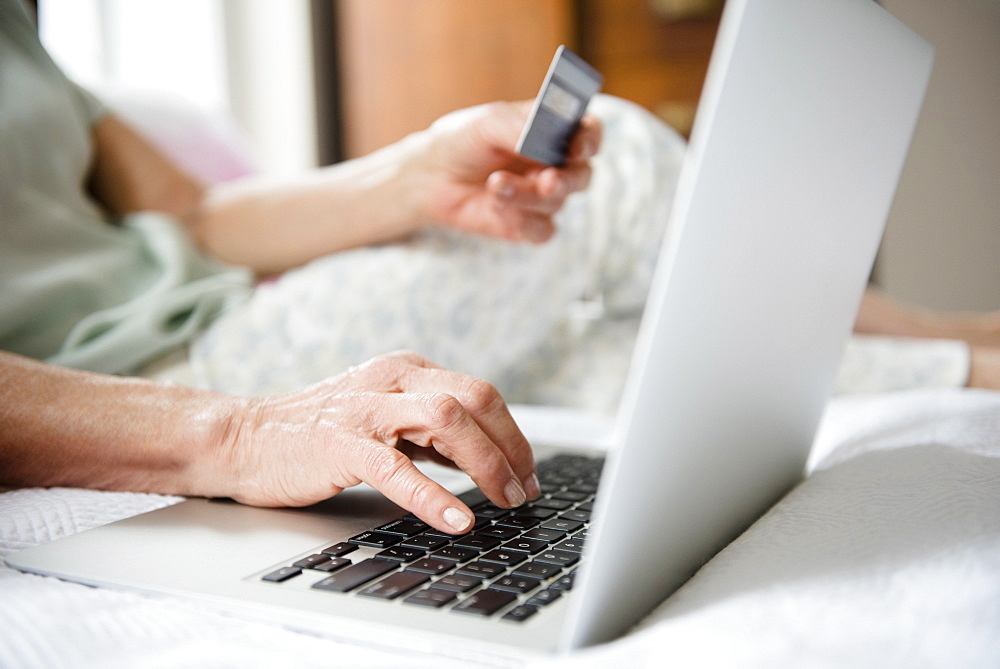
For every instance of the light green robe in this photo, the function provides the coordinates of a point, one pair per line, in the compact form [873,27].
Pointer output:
[77,288]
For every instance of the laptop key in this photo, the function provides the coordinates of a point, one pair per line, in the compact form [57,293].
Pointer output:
[539,512]
[525,545]
[544,534]
[519,521]
[505,557]
[570,496]
[446,535]
[572,545]
[563,525]
[455,554]
[401,554]
[473,497]
[499,532]
[333,564]
[283,574]
[485,602]
[433,597]
[520,613]
[311,561]
[343,548]
[518,584]
[557,557]
[358,573]
[458,582]
[482,569]
[578,515]
[395,585]
[544,597]
[403,526]
[425,542]
[538,570]
[433,566]
[490,511]
[585,488]
[376,539]
[564,583]
[477,542]
[554,504]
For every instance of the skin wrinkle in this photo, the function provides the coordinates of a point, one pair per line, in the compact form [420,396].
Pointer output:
[289,435]
[446,415]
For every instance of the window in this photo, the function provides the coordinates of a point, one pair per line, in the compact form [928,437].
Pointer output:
[249,61]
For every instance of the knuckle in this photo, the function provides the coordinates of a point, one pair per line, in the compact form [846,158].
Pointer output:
[403,356]
[386,466]
[421,495]
[391,470]
[444,411]
[386,369]
[481,396]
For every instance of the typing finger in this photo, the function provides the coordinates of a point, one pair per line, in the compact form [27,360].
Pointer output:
[484,405]
[393,474]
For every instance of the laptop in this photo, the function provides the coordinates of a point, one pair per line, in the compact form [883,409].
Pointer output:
[799,140]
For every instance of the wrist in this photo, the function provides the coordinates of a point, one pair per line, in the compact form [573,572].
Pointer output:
[213,436]
[396,177]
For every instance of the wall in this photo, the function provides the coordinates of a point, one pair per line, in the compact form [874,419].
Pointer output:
[942,245]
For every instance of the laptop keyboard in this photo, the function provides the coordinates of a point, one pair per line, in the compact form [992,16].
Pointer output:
[510,565]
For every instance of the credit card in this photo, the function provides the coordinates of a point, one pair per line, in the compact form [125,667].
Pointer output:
[559,106]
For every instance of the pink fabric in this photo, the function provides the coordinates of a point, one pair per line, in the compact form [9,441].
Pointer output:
[209,147]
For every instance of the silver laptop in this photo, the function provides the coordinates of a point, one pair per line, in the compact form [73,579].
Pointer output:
[800,137]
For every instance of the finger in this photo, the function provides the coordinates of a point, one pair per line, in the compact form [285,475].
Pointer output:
[482,402]
[404,372]
[520,225]
[393,474]
[587,140]
[383,372]
[418,452]
[438,421]
[542,191]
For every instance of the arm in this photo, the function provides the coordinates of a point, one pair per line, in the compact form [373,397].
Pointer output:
[66,427]
[882,315]
[462,173]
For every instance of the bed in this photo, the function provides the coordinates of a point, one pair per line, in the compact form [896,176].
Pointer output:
[886,554]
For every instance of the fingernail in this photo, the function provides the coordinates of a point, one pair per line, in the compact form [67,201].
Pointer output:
[514,493]
[457,519]
[533,488]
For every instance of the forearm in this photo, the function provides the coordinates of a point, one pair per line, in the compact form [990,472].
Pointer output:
[61,427]
[882,315]
[272,226]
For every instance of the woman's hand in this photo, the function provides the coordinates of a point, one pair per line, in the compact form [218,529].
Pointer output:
[63,427]
[462,172]
[366,425]
[474,180]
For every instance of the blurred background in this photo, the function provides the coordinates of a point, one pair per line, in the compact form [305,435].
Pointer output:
[312,82]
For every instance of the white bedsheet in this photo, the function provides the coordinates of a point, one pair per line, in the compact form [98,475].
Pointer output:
[888,554]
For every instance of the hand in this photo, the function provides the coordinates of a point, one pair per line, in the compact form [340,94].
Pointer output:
[477,183]
[366,424]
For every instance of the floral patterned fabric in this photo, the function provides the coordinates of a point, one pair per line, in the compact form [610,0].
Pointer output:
[552,324]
